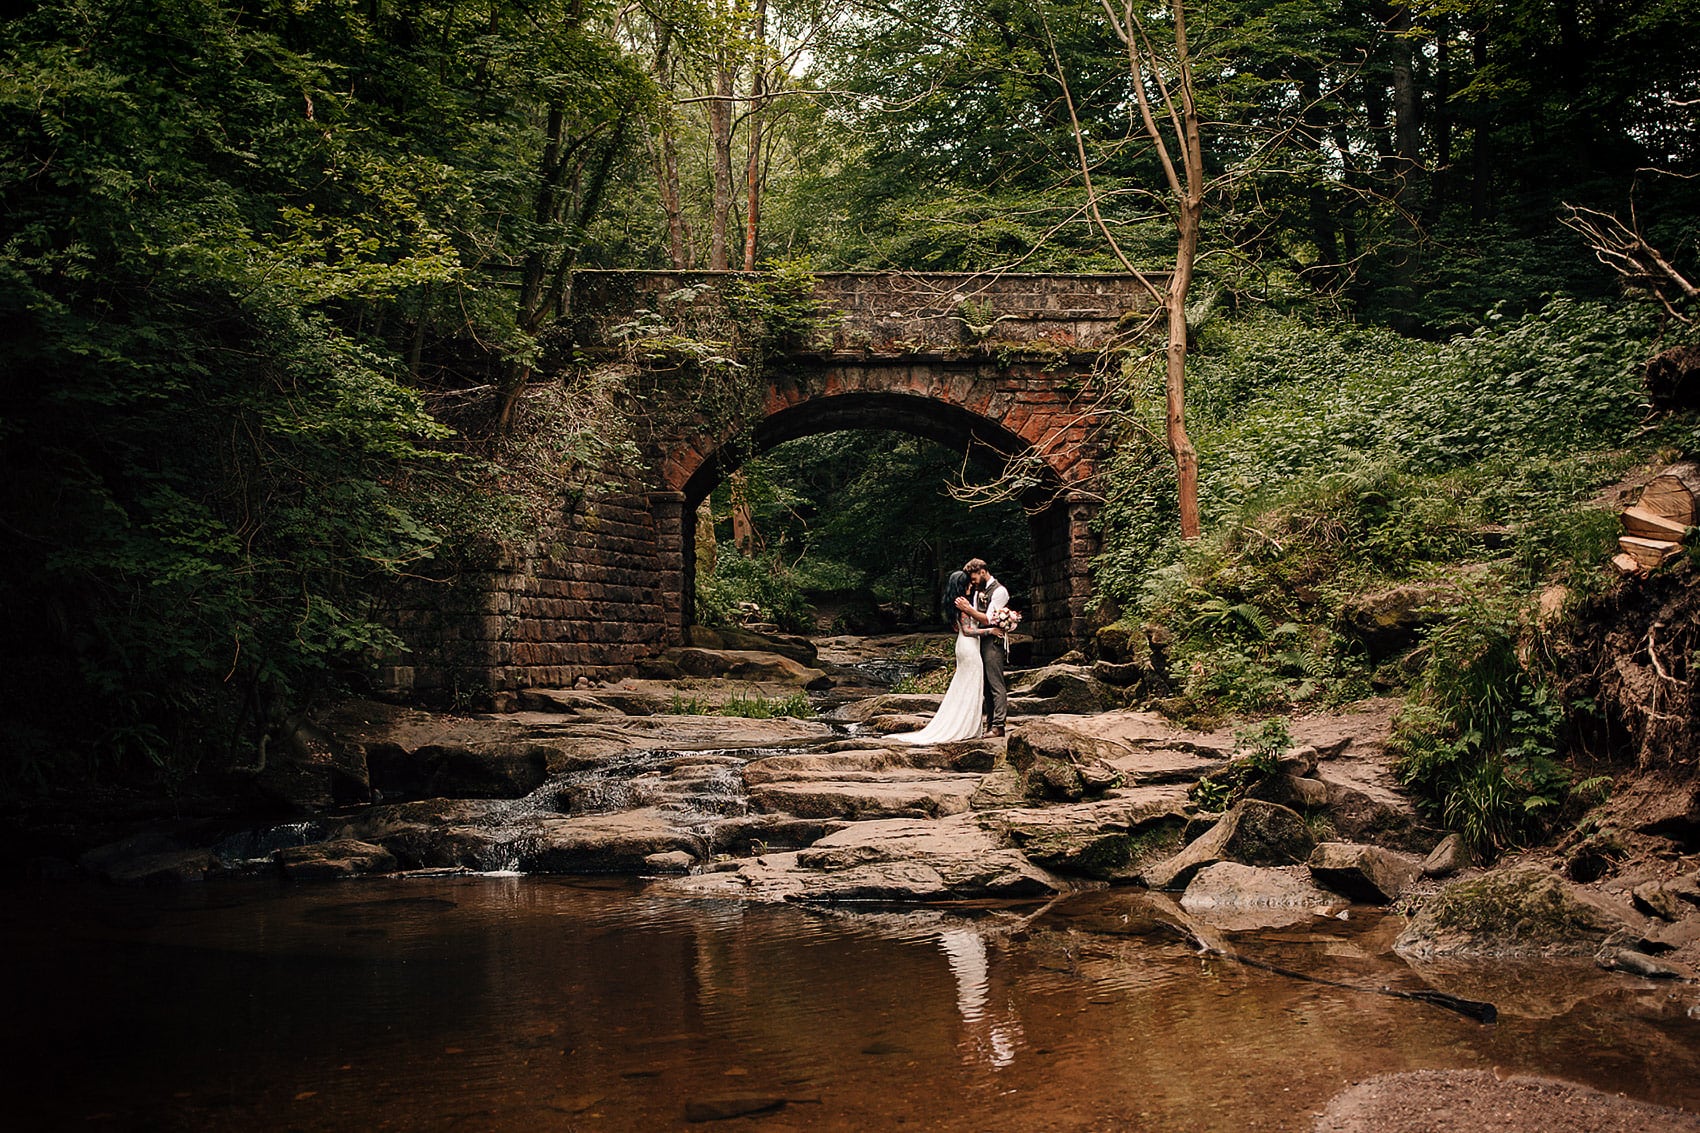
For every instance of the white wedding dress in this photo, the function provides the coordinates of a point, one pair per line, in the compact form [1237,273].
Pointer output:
[961,710]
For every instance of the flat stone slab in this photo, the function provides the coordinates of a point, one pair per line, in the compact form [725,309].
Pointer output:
[903,860]
[910,794]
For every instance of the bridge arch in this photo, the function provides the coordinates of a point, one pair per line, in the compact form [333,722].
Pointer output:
[1005,361]
[1032,416]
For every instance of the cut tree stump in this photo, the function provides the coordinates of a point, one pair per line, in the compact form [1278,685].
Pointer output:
[1647,524]
[1648,553]
[1674,493]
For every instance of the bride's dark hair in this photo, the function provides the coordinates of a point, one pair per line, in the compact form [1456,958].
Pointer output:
[956,586]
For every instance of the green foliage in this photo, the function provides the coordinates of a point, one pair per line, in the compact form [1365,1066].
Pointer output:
[1264,745]
[1337,461]
[763,585]
[767,708]
[226,268]
[1479,739]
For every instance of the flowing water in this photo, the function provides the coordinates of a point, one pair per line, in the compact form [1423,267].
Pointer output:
[527,1003]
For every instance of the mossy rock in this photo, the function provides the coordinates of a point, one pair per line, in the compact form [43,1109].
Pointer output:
[1527,911]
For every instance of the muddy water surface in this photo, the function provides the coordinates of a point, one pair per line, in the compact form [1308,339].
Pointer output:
[523,1003]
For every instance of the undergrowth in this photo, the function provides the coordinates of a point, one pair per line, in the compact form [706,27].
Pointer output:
[1383,515]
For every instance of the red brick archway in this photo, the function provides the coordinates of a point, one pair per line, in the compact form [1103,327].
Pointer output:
[1005,361]
[1010,412]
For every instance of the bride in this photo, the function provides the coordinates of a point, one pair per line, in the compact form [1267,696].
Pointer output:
[960,712]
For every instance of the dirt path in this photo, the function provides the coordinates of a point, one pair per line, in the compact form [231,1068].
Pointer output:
[1469,1101]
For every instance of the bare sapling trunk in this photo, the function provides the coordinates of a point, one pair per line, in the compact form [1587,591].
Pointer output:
[752,169]
[1179,130]
[720,155]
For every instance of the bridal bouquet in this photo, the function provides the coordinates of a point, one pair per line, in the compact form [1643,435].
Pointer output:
[1005,619]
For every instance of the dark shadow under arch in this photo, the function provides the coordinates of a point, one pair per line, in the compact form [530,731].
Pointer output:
[1057,532]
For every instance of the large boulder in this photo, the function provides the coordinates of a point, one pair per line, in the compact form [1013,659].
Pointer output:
[1060,688]
[468,770]
[1058,763]
[333,860]
[1238,897]
[1253,832]
[1524,911]
[602,843]
[799,649]
[757,666]
[1368,874]
[1112,839]
[1388,622]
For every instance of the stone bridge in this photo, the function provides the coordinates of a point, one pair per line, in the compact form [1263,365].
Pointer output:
[1005,364]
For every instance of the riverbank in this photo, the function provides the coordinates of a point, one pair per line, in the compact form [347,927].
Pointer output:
[1233,845]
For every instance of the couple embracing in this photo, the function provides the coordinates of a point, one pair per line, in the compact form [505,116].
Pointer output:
[978,607]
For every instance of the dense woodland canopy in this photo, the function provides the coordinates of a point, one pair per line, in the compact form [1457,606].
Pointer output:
[277,275]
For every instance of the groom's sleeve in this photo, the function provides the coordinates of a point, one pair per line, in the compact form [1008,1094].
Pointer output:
[999,599]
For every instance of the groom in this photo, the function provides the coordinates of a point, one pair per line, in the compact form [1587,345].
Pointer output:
[989,594]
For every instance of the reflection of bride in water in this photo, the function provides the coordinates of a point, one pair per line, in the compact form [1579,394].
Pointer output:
[988,1040]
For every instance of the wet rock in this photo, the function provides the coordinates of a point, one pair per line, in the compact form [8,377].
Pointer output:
[1238,897]
[603,843]
[1446,859]
[1640,964]
[1523,911]
[799,649]
[746,665]
[152,857]
[723,1109]
[1055,764]
[904,860]
[1109,840]
[1364,873]
[1654,899]
[495,770]
[329,861]
[1251,832]
[759,833]
[670,861]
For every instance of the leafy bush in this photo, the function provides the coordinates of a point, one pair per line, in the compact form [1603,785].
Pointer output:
[764,581]
[1479,740]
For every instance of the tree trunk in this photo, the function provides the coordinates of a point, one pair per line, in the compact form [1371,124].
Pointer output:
[1407,108]
[720,154]
[667,163]
[1174,384]
[752,170]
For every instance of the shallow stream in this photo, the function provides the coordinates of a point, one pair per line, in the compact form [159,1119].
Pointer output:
[531,1003]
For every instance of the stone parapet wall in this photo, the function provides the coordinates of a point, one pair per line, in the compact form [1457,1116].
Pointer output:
[925,313]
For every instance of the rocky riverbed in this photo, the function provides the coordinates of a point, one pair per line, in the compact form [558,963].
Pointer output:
[646,776]
[650,776]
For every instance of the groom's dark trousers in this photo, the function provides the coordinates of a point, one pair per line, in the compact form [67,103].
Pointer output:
[993,654]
